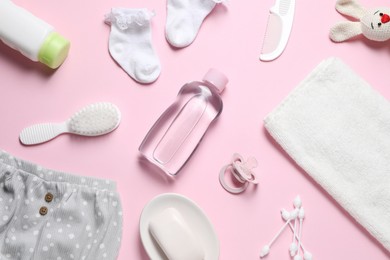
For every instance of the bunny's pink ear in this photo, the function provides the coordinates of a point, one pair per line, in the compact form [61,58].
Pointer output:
[350,8]
[343,31]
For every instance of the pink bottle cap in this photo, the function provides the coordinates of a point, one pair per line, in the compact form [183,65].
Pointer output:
[217,79]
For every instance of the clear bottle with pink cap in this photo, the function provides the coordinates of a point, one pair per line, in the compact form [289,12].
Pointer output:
[176,134]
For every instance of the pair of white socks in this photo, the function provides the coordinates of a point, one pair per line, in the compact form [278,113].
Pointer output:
[130,37]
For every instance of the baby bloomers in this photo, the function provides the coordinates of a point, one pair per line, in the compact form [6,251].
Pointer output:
[51,215]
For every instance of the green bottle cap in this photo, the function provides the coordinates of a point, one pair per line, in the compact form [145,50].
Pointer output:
[54,50]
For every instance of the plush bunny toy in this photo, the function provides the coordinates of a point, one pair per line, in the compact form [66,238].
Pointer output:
[373,23]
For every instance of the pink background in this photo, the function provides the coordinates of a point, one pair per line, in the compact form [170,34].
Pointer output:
[229,40]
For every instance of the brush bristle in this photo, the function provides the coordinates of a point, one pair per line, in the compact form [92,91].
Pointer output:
[95,119]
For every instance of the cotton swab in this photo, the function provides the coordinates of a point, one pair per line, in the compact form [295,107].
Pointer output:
[306,254]
[289,215]
[286,216]
[293,247]
[301,216]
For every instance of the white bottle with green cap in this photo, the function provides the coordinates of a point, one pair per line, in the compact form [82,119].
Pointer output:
[34,38]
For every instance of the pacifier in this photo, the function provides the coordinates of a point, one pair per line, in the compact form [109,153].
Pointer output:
[242,172]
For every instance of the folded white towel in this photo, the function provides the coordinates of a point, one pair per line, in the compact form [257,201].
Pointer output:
[337,128]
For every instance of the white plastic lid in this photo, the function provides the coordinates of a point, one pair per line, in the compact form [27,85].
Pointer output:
[217,79]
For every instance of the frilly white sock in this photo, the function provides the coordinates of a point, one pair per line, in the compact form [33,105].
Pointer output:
[184,18]
[130,43]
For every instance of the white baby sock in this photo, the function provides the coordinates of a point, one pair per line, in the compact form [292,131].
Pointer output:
[184,18]
[130,43]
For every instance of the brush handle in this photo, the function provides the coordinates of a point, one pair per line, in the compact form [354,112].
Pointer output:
[41,133]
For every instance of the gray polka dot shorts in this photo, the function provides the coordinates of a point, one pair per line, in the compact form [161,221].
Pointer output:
[51,215]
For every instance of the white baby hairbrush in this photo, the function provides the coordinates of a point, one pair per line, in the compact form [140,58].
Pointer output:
[92,120]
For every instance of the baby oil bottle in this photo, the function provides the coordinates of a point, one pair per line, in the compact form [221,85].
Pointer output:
[176,134]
